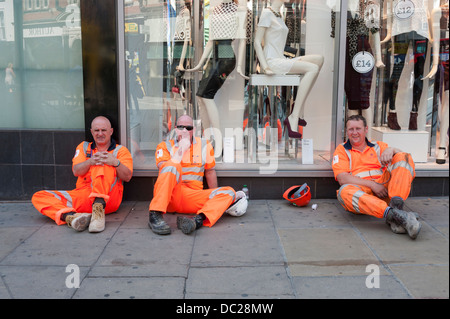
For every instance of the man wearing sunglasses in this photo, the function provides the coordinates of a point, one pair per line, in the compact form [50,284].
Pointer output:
[183,163]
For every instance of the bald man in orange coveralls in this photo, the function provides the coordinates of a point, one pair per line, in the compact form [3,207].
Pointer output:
[101,167]
[375,179]
[182,164]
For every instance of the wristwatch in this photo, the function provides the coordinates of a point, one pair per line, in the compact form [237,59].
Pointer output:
[118,163]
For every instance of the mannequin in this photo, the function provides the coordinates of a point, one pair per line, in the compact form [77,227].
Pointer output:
[182,39]
[273,31]
[414,28]
[362,19]
[440,21]
[227,22]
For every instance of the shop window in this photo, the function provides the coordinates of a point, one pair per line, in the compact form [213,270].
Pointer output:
[41,62]
[233,102]
[262,79]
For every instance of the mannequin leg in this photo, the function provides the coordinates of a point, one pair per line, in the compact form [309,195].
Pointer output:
[442,150]
[393,84]
[309,66]
[214,121]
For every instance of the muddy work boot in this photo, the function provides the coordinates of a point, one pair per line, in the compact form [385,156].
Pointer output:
[97,224]
[157,223]
[78,221]
[407,220]
[188,225]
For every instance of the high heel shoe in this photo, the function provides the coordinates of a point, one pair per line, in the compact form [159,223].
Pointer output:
[291,133]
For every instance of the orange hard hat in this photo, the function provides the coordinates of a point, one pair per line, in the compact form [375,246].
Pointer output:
[298,195]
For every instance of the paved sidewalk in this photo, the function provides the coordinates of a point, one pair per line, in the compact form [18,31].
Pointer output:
[274,251]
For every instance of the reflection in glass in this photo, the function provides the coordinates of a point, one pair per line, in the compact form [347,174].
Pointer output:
[41,57]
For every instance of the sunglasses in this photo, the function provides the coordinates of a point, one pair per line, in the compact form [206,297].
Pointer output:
[187,127]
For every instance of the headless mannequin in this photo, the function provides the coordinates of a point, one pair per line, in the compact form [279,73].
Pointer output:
[355,10]
[410,33]
[444,114]
[208,104]
[309,66]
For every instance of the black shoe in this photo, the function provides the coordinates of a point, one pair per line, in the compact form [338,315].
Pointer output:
[157,224]
[188,225]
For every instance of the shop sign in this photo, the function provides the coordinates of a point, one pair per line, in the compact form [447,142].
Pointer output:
[131,27]
[43,32]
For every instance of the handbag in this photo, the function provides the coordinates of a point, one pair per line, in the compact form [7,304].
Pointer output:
[290,52]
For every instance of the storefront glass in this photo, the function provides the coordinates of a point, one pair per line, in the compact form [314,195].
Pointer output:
[272,82]
[41,65]
[199,58]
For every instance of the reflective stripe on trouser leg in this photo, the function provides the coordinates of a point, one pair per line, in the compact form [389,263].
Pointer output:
[211,202]
[53,203]
[168,179]
[402,174]
[359,200]
[219,201]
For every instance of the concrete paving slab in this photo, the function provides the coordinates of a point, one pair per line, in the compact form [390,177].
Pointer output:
[234,244]
[140,252]
[131,288]
[60,246]
[21,214]
[39,282]
[348,287]
[326,252]
[424,281]
[12,237]
[430,247]
[238,282]
[435,211]
[286,215]
[4,293]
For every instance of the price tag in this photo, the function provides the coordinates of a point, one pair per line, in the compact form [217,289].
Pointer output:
[363,62]
[404,9]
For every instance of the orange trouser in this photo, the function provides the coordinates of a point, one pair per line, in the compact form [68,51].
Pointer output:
[170,194]
[104,185]
[360,199]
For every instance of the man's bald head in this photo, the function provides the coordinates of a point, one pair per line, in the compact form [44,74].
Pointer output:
[101,119]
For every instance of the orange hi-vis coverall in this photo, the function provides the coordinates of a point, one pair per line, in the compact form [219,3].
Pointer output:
[100,181]
[179,187]
[397,177]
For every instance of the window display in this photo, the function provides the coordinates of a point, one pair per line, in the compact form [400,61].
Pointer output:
[440,23]
[273,31]
[227,23]
[259,77]
[363,22]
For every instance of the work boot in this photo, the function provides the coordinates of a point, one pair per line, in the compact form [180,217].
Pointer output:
[98,218]
[407,220]
[78,221]
[397,202]
[188,225]
[157,223]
